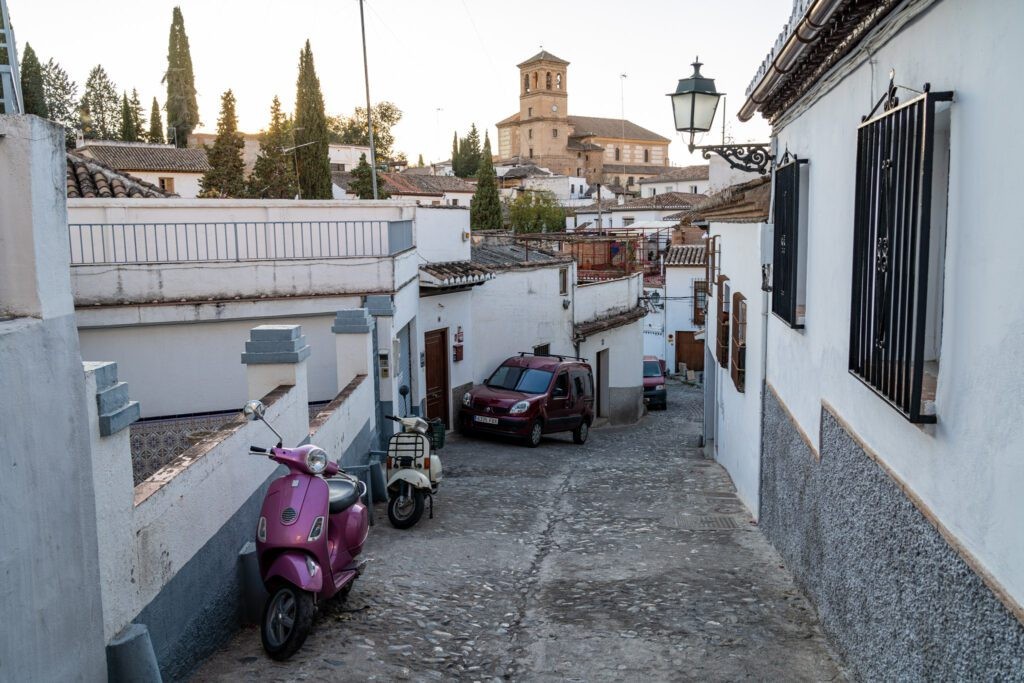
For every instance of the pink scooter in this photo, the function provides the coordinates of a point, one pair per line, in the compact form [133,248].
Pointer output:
[312,527]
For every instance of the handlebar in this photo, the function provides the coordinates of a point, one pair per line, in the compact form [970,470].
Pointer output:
[258,449]
[392,418]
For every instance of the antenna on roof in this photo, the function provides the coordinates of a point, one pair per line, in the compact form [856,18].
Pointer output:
[10,81]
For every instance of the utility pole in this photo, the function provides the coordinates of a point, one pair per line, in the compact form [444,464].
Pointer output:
[369,111]
[600,228]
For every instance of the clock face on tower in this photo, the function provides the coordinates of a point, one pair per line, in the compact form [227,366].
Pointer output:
[554,107]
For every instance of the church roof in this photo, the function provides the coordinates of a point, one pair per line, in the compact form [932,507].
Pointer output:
[596,126]
[542,56]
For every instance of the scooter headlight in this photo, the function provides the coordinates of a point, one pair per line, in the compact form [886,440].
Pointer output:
[316,460]
[467,400]
[519,408]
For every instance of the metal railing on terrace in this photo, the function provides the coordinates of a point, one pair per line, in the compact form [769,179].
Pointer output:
[139,243]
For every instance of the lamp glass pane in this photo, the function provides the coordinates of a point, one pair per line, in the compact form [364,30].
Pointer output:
[681,107]
[704,111]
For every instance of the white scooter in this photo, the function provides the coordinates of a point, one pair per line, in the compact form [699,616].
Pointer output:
[413,472]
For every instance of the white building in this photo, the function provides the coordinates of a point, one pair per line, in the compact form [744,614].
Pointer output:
[689,179]
[683,300]
[171,169]
[344,158]
[890,468]
[622,214]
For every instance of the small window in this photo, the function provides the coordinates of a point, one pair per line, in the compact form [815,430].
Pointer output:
[167,184]
[578,169]
[789,261]
[529,111]
[693,189]
[739,341]
[722,336]
[572,189]
[629,182]
[628,220]
[547,81]
[654,191]
[542,349]
[338,167]
[563,281]
[455,201]
[534,80]
[700,301]
[531,152]
[529,133]
[558,81]
[618,180]
[617,154]
[554,132]
[526,83]
[647,156]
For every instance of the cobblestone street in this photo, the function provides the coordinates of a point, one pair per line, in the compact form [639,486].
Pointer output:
[629,558]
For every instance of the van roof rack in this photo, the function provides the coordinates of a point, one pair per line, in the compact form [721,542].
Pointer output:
[559,356]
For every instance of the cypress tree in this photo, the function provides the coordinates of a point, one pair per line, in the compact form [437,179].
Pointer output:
[470,148]
[102,105]
[456,161]
[129,127]
[61,99]
[273,174]
[419,162]
[137,114]
[226,177]
[361,184]
[32,89]
[156,126]
[485,208]
[182,108]
[314,167]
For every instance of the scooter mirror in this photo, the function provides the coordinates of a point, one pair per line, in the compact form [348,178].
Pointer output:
[254,410]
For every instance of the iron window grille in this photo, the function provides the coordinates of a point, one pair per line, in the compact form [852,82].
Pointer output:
[739,341]
[892,229]
[712,260]
[786,247]
[722,337]
[700,301]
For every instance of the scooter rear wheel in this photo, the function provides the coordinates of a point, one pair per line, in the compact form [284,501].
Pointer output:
[287,620]
[404,510]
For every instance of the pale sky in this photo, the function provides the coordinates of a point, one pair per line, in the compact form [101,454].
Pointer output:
[445,63]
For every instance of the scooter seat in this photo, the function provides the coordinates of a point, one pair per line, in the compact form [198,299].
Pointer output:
[343,494]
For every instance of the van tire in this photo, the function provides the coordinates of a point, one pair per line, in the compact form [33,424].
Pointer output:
[579,435]
[533,439]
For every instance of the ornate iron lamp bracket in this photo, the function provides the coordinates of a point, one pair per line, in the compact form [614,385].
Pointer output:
[751,158]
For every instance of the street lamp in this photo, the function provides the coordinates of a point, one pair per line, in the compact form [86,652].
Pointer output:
[694,104]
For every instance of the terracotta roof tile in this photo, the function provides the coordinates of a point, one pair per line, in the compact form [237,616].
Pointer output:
[137,156]
[542,56]
[698,172]
[686,255]
[403,183]
[747,202]
[453,274]
[596,126]
[89,178]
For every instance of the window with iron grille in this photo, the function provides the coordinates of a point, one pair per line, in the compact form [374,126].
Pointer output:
[722,336]
[711,262]
[789,258]
[898,250]
[739,341]
[700,301]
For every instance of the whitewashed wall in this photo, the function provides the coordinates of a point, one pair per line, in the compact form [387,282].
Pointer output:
[186,185]
[650,189]
[604,298]
[679,303]
[442,235]
[452,311]
[738,415]
[967,469]
[625,346]
[517,310]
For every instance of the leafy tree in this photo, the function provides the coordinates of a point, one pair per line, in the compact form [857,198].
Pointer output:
[419,162]
[536,212]
[102,106]
[156,126]
[273,174]
[311,135]
[361,184]
[226,177]
[485,209]
[61,99]
[182,108]
[129,124]
[32,89]
[352,130]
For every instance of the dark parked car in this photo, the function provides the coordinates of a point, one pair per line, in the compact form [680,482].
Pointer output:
[654,383]
[531,395]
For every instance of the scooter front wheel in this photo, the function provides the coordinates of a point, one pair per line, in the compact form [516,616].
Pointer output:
[406,508]
[287,620]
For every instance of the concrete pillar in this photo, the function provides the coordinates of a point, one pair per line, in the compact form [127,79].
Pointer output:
[275,356]
[353,329]
[382,308]
[50,561]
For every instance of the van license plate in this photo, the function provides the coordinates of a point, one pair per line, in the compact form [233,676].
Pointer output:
[486,420]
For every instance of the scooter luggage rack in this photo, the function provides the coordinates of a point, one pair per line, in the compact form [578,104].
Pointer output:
[406,446]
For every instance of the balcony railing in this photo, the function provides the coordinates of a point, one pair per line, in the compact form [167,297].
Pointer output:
[140,243]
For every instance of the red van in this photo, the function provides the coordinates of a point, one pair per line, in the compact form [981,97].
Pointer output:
[530,395]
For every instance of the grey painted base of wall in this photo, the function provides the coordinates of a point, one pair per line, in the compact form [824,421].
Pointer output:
[204,604]
[625,404]
[898,601]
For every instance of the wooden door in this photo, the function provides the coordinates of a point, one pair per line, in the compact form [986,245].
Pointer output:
[436,349]
[689,351]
